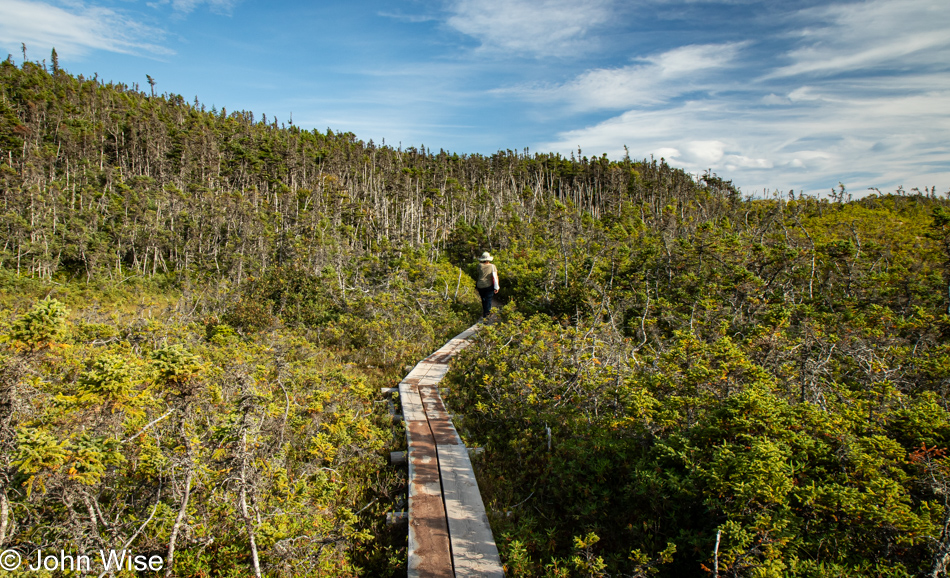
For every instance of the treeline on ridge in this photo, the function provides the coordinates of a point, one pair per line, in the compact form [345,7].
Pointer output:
[98,177]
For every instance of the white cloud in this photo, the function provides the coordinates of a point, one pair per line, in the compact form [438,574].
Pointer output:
[706,152]
[411,18]
[803,94]
[735,162]
[774,99]
[531,27]
[77,30]
[187,6]
[869,35]
[695,58]
[861,95]
[655,79]
[863,141]
[667,152]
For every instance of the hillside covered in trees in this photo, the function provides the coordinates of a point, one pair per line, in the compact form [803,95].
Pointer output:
[199,306]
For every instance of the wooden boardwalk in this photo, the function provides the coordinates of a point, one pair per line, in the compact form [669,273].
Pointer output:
[449,533]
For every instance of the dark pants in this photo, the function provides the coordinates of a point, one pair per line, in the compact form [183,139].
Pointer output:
[487,293]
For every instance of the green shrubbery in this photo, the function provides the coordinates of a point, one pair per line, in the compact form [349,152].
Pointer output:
[761,401]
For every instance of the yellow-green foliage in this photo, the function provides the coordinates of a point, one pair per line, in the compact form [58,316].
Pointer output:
[128,407]
[42,326]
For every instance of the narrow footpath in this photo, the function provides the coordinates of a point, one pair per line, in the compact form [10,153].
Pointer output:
[449,533]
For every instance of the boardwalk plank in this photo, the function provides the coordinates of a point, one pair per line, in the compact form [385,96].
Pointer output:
[439,422]
[429,550]
[412,408]
[473,548]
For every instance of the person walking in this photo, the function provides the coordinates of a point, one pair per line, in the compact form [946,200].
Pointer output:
[487,281]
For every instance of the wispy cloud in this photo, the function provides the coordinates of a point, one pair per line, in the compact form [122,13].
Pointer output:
[77,29]
[411,18]
[531,27]
[807,144]
[653,80]
[187,6]
[871,35]
[860,93]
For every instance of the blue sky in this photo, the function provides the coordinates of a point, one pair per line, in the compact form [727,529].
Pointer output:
[777,96]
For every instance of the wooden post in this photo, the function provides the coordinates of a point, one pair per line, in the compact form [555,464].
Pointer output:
[398,458]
